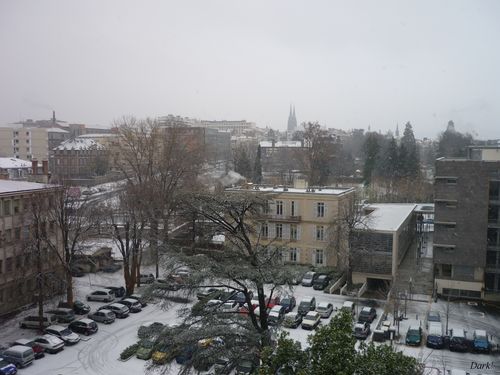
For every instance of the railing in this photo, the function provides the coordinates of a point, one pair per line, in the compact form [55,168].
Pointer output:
[294,219]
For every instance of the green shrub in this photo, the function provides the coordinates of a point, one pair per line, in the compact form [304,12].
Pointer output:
[129,351]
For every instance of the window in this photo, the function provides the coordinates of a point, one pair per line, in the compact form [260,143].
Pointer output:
[279,231]
[6,207]
[8,235]
[320,209]
[8,265]
[264,230]
[27,260]
[292,208]
[446,270]
[1,266]
[17,234]
[451,181]
[19,262]
[320,233]
[294,254]
[279,208]
[463,272]
[17,206]
[318,256]
[294,232]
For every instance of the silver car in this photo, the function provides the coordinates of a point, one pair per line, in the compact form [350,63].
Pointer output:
[50,343]
[103,316]
[101,296]
[63,333]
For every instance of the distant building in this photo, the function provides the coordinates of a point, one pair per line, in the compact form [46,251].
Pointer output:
[237,127]
[14,169]
[176,121]
[282,159]
[299,220]
[78,161]
[467,225]
[18,269]
[292,121]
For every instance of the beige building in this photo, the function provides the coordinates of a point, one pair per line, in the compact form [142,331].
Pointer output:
[18,255]
[299,219]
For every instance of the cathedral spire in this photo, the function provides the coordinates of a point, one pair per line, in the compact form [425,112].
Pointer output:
[292,120]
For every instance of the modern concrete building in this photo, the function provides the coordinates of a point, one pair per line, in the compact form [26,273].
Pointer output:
[386,231]
[467,225]
[18,253]
[298,219]
[235,127]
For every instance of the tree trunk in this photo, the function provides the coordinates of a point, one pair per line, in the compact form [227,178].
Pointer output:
[69,287]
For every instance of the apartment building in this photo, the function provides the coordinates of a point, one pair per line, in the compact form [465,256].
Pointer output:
[18,253]
[299,220]
[467,225]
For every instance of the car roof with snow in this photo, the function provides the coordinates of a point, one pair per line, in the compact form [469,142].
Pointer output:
[311,314]
[366,309]
[86,320]
[56,327]
[105,311]
[117,305]
[348,304]
[306,299]
[324,305]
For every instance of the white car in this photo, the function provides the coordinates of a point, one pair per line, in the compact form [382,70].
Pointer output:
[311,320]
[230,306]
[63,333]
[50,343]
[101,296]
[325,309]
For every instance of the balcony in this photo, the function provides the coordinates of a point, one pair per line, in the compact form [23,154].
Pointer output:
[284,218]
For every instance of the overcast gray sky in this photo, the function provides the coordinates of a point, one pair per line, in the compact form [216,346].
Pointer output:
[346,64]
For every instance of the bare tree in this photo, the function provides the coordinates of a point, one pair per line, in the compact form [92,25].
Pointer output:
[244,264]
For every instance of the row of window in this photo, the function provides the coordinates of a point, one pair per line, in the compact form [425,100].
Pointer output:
[24,261]
[293,209]
[318,256]
[292,232]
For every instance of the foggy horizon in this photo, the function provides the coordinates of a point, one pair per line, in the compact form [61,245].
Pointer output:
[344,65]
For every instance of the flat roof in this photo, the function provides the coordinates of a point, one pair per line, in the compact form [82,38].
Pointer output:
[7,186]
[388,216]
[284,190]
[13,163]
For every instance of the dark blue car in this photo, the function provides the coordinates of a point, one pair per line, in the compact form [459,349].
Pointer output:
[7,368]
[481,343]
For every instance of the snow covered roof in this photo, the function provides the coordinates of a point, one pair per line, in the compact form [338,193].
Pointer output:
[388,216]
[7,186]
[289,190]
[13,163]
[56,130]
[98,135]
[79,144]
[281,144]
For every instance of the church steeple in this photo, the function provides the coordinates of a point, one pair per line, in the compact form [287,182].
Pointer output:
[292,120]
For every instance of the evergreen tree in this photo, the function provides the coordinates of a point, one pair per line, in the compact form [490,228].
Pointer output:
[242,163]
[408,153]
[452,143]
[388,165]
[257,169]
[371,151]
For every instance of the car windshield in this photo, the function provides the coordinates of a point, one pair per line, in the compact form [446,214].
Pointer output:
[304,304]
[285,301]
[66,332]
[308,276]
[413,333]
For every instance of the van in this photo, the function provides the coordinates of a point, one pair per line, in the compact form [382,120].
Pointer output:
[33,321]
[435,337]
[458,340]
[19,355]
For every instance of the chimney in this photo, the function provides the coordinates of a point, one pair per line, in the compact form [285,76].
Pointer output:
[45,167]
[54,117]
[34,166]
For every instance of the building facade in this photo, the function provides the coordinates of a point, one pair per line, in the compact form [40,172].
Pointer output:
[467,225]
[19,255]
[299,221]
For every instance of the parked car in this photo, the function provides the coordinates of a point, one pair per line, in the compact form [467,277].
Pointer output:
[361,330]
[133,305]
[276,315]
[163,354]
[19,355]
[77,272]
[139,298]
[63,333]
[103,316]
[208,293]
[458,340]
[112,267]
[148,278]
[121,311]
[435,336]
[79,307]
[230,306]
[325,309]
[33,321]
[321,282]
[367,314]
[7,368]
[311,320]
[309,278]
[480,343]
[145,349]
[169,283]
[288,303]
[432,316]
[292,320]
[227,295]
[101,296]
[149,329]
[84,326]
[306,304]
[349,306]
[50,343]
[118,291]
[240,297]
[414,336]
[37,349]
[63,315]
